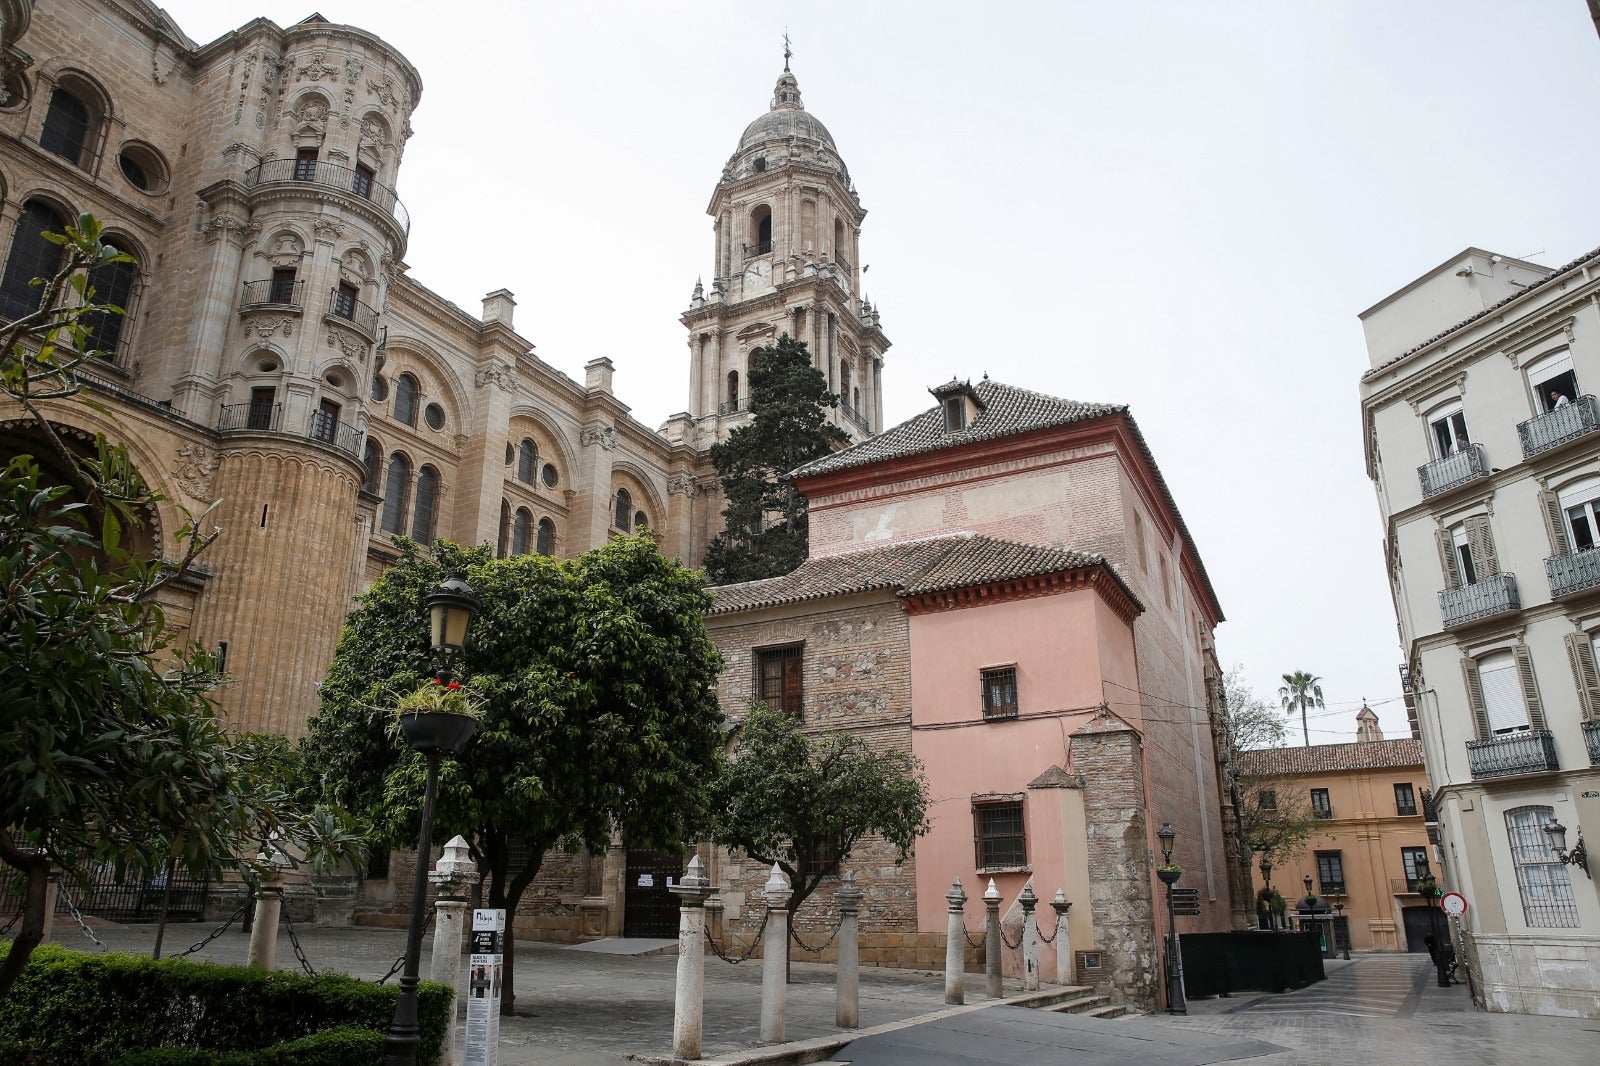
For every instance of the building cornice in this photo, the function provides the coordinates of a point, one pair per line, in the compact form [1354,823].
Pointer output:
[1099,578]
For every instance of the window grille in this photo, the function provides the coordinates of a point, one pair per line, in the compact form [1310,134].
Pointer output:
[1000,692]
[1542,880]
[998,835]
[624,510]
[394,494]
[546,543]
[1330,872]
[780,678]
[521,529]
[1415,860]
[67,126]
[405,399]
[1267,799]
[1405,800]
[527,457]
[113,285]
[1321,807]
[31,257]
[422,521]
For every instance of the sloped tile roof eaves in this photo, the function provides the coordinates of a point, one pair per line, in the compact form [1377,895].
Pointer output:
[1326,758]
[984,560]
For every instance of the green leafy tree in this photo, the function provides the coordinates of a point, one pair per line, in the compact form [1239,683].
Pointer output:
[110,754]
[597,686]
[765,532]
[1274,815]
[804,801]
[1303,691]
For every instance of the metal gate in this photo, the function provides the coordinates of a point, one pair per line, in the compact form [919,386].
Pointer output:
[1419,923]
[649,908]
[130,901]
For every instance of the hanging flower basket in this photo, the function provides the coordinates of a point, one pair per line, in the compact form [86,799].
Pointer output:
[1170,873]
[438,717]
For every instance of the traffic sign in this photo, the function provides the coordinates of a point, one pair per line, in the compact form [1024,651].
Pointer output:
[1454,904]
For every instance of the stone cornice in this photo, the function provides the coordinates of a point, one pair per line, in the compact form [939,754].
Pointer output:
[1099,578]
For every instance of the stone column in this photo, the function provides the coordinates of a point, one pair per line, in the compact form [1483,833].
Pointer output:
[955,990]
[774,956]
[263,952]
[994,981]
[848,974]
[52,893]
[690,988]
[1063,938]
[1030,938]
[452,874]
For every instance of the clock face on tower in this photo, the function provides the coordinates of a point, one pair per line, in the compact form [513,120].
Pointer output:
[758,273]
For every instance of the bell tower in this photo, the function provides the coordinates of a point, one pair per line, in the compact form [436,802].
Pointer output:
[787,226]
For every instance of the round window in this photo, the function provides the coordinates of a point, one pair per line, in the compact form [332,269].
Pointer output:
[380,388]
[267,366]
[548,474]
[335,380]
[143,168]
[435,416]
[511,453]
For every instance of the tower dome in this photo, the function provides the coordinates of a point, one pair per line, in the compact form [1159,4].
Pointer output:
[786,118]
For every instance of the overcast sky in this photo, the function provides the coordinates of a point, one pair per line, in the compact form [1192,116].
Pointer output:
[1178,206]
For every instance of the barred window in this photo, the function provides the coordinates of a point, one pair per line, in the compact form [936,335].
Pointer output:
[1542,879]
[405,399]
[998,836]
[780,676]
[422,522]
[1321,806]
[1405,800]
[545,540]
[527,461]
[1267,799]
[1415,860]
[999,692]
[1330,872]
[521,530]
[394,494]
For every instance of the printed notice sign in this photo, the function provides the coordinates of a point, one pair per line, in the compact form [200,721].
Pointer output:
[484,967]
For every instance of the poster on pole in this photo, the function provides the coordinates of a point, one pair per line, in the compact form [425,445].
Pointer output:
[484,965]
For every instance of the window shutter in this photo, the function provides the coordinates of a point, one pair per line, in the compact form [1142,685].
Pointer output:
[1481,544]
[1480,712]
[1555,525]
[1447,560]
[1580,653]
[1530,689]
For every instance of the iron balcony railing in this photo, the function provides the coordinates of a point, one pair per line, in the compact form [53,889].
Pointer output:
[349,309]
[1401,886]
[330,176]
[265,417]
[733,407]
[1441,475]
[854,416]
[1591,740]
[759,248]
[1430,810]
[271,293]
[1555,428]
[268,418]
[1481,599]
[844,264]
[1528,752]
[1573,573]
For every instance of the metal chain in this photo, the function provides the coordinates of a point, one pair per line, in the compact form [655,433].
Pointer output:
[794,934]
[294,941]
[401,961]
[223,928]
[4,929]
[73,907]
[755,942]
[1008,943]
[1051,939]
[976,945]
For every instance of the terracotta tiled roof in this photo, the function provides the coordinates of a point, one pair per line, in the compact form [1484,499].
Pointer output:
[908,568]
[1007,410]
[1324,758]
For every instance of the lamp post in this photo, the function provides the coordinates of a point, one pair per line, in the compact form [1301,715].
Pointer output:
[1266,888]
[1428,889]
[1578,856]
[1169,875]
[450,609]
[1341,931]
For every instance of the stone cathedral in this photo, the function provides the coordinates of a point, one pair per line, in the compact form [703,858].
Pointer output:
[279,356]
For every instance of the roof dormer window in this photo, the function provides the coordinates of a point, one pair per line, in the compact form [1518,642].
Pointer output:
[955,414]
[960,402]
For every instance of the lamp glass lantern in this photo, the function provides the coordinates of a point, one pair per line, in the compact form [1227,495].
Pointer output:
[1558,836]
[1266,870]
[451,607]
[1167,835]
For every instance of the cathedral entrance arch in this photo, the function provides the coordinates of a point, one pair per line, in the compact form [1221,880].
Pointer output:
[648,906]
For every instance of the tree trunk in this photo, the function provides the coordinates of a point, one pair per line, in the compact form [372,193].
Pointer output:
[1304,728]
[507,893]
[36,871]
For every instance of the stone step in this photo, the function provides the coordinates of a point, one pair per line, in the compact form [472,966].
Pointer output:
[1110,1010]
[1051,996]
[1080,1005]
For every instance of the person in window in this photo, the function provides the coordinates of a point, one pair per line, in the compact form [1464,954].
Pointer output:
[1558,399]
[1457,446]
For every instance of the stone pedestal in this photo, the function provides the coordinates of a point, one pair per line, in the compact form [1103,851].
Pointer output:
[263,953]
[955,936]
[452,877]
[688,1001]
[994,979]
[1063,938]
[774,957]
[1030,938]
[847,1014]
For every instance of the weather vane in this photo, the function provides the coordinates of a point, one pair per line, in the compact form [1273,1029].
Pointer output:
[786,52]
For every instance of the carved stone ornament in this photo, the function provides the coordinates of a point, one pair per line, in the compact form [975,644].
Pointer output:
[193,469]
[352,349]
[327,229]
[498,374]
[680,485]
[266,327]
[605,436]
[316,70]
[384,93]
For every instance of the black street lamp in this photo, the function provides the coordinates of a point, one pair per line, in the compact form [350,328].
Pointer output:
[1578,856]
[450,609]
[1428,889]
[1169,874]
[1266,890]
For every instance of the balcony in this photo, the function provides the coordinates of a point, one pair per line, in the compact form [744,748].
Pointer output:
[1573,573]
[1430,811]
[354,183]
[1482,599]
[1404,886]
[856,418]
[1453,471]
[759,248]
[1555,428]
[271,293]
[1527,752]
[346,308]
[268,418]
[733,407]
[1591,740]
[843,264]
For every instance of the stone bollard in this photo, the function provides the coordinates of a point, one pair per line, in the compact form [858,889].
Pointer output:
[452,908]
[1063,939]
[847,1014]
[689,993]
[955,990]
[774,957]
[263,953]
[1030,938]
[52,893]
[994,981]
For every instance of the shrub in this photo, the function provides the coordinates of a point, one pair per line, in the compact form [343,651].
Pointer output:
[72,1007]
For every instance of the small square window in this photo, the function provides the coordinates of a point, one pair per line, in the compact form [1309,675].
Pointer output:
[999,692]
[1267,799]
[998,834]
[780,677]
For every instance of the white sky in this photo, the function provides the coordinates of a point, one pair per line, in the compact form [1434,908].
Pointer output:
[1179,206]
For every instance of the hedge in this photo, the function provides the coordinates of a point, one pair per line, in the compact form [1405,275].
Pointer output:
[100,1010]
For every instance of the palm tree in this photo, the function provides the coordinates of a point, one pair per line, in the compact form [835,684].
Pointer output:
[1304,691]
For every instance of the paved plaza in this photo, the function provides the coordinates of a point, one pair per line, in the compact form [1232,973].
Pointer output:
[578,1007]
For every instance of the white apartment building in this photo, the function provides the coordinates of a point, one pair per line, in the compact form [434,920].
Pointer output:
[1482,436]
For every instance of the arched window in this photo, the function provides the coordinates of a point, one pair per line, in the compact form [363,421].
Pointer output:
[546,544]
[31,257]
[372,460]
[640,520]
[394,494]
[844,382]
[520,530]
[527,461]
[405,399]
[422,521]
[113,284]
[624,509]
[505,530]
[857,403]
[760,231]
[67,127]
[733,389]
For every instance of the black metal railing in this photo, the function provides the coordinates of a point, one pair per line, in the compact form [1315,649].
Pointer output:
[1401,810]
[129,901]
[733,407]
[1529,752]
[844,264]
[1481,599]
[1555,428]
[270,292]
[327,429]
[1591,740]
[1441,475]
[356,183]
[346,307]
[268,418]
[759,248]
[1334,888]
[856,417]
[263,417]
[1574,572]
[1404,885]
[1430,811]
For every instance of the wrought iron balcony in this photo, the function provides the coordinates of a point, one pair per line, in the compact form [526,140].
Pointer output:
[271,293]
[250,416]
[1482,599]
[1527,752]
[1452,471]
[1591,740]
[268,418]
[856,417]
[1573,573]
[347,308]
[1404,886]
[1430,810]
[844,264]
[759,248]
[356,183]
[733,407]
[1555,428]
